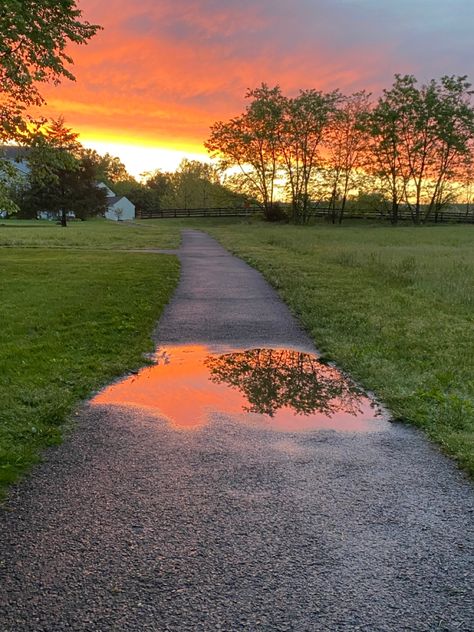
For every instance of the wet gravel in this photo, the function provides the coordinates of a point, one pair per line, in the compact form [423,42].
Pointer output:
[134,525]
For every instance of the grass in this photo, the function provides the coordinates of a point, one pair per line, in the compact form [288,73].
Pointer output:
[393,306]
[71,322]
[97,234]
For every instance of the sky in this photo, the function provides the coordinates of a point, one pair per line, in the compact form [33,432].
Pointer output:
[152,82]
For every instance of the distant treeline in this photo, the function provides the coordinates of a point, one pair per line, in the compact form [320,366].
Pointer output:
[194,184]
[410,149]
[51,171]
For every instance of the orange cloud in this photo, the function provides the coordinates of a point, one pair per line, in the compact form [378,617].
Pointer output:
[160,73]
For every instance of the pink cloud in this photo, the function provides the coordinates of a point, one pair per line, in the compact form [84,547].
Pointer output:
[165,70]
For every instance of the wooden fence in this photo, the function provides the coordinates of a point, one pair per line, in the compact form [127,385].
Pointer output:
[441,217]
[198,212]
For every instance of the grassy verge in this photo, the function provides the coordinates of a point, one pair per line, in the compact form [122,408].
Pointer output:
[97,234]
[70,322]
[392,306]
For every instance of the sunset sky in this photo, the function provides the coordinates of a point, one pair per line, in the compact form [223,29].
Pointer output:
[161,72]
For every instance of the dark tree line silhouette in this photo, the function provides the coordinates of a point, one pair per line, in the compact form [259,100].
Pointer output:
[412,147]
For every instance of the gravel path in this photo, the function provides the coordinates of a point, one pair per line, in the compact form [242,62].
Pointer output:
[133,525]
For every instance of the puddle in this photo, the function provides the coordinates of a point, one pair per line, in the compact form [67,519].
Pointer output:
[281,389]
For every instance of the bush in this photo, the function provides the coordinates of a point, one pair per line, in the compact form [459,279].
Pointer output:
[275,213]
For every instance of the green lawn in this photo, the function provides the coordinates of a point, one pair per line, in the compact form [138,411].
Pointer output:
[93,234]
[71,322]
[393,306]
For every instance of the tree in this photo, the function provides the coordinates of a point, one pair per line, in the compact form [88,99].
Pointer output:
[305,123]
[466,181]
[159,181]
[144,198]
[383,159]
[73,190]
[110,169]
[84,198]
[372,201]
[250,143]
[12,186]
[191,185]
[196,184]
[346,143]
[276,143]
[33,50]
[62,179]
[455,131]
[34,45]
[420,140]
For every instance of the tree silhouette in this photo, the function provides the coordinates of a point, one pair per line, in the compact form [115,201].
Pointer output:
[272,379]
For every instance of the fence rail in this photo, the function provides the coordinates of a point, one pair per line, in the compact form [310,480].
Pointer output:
[443,216]
[198,212]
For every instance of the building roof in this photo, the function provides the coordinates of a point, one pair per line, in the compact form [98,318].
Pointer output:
[107,189]
[16,156]
[111,200]
[13,152]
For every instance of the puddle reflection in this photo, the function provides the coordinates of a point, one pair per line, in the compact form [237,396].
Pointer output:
[279,388]
[272,379]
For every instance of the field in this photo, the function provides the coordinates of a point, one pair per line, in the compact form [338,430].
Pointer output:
[72,320]
[93,234]
[392,306]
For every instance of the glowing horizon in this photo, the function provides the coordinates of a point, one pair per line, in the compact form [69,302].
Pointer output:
[139,158]
[152,82]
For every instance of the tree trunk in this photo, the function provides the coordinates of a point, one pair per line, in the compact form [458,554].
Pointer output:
[394,213]
[417,214]
[343,208]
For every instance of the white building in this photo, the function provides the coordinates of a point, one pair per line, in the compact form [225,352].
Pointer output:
[119,208]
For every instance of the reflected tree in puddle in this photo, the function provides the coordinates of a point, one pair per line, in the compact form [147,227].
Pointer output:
[272,379]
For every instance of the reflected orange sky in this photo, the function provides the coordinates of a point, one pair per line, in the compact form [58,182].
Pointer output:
[188,385]
[161,72]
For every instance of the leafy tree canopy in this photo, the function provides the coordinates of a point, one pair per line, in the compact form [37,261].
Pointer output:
[62,178]
[35,35]
[415,146]
[33,50]
[110,169]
